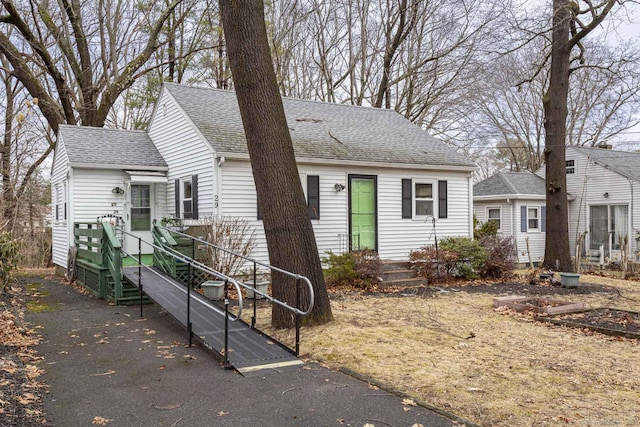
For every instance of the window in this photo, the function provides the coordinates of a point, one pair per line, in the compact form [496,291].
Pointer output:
[494,214]
[533,219]
[140,208]
[570,166]
[423,199]
[56,201]
[186,199]
[418,199]
[313,196]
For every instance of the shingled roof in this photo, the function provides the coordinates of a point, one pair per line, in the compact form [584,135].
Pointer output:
[625,163]
[101,146]
[320,130]
[510,184]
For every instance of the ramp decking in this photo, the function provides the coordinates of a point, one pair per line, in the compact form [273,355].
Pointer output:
[249,350]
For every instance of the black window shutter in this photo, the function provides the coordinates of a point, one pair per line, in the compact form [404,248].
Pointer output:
[177,194]
[406,199]
[194,196]
[543,218]
[442,199]
[259,214]
[313,196]
[523,218]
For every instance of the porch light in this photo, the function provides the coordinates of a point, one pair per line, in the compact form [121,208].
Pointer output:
[339,187]
[117,190]
[605,195]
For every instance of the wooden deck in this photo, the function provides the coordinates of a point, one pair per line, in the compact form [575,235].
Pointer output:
[249,350]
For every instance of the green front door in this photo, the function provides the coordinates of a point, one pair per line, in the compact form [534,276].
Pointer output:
[362,216]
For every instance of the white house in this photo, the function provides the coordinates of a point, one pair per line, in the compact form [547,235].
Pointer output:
[371,178]
[515,201]
[98,172]
[603,188]
[606,210]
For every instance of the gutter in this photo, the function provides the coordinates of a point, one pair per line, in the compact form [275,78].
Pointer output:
[338,162]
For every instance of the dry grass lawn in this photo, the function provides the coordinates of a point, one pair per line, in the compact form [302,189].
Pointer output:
[494,368]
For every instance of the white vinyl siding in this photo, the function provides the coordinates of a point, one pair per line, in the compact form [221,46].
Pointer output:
[536,237]
[592,184]
[396,237]
[186,153]
[59,229]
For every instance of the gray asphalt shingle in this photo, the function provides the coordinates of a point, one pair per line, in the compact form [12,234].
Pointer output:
[320,130]
[510,184]
[109,146]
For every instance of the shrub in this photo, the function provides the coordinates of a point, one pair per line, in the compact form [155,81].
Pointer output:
[501,256]
[9,254]
[340,267]
[471,256]
[360,268]
[367,264]
[231,233]
[480,230]
[432,265]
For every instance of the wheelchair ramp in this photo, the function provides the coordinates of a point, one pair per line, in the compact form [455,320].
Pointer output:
[250,352]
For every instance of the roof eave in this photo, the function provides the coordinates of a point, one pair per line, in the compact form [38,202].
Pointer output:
[338,162]
[494,197]
[118,166]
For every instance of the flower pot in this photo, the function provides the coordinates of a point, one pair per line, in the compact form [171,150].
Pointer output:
[260,286]
[213,289]
[569,280]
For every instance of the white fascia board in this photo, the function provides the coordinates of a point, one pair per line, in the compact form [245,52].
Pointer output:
[336,162]
[504,197]
[118,167]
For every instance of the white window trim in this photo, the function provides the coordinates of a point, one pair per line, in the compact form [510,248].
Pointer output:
[534,229]
[499,219]
[183,199]
[433,199]
[572,167]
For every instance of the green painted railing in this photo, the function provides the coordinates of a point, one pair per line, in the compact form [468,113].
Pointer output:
[112,257]
[88,240]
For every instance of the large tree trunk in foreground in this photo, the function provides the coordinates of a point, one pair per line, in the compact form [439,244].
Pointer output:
[556,254]
[287,226]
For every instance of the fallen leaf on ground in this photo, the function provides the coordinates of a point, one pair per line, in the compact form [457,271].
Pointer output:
[408,402]
[222,413]
[101,421]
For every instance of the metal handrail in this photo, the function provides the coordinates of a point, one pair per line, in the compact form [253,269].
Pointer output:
[269,266]
[197,264]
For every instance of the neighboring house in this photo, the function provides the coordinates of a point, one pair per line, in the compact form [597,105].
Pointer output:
[603,187]
[606,209]
[515,201]
[371,178]
[98,172]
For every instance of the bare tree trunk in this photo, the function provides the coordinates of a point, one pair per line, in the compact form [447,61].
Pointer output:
[557,255]
[8,203]
[287,226]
